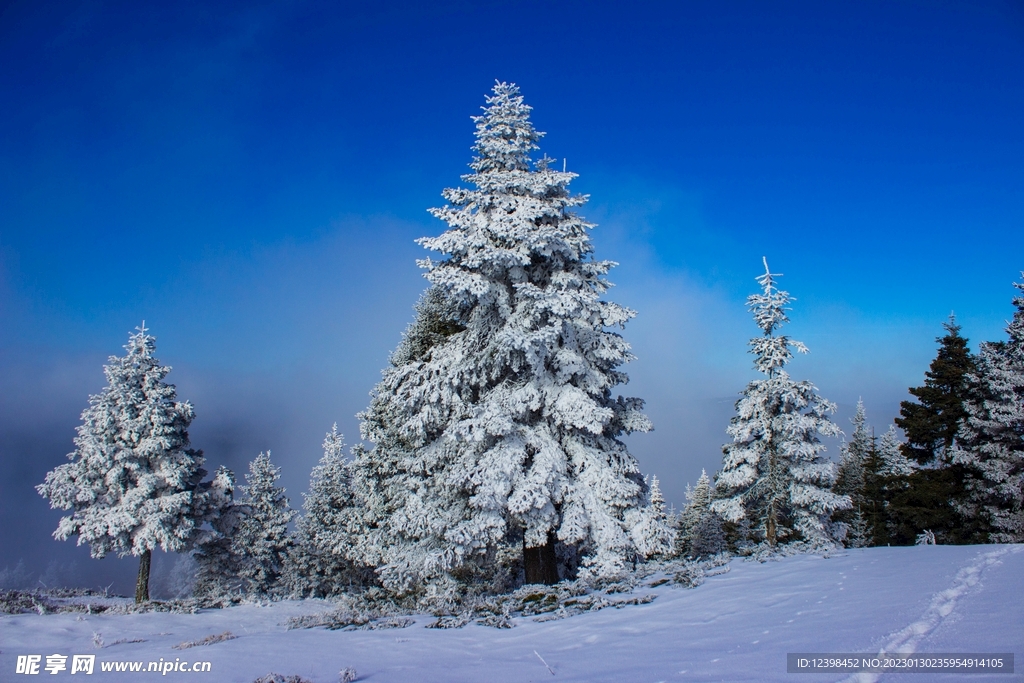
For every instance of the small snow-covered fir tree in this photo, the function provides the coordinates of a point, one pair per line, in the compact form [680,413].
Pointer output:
[132,475]
[853,454]
[218,563]
[774,470]
[14,579]
[656,498]
[262,539]
[856,480]
[859,533]
[655,530]
[990,442]
[499,436]
[321,562]
[708,536]
[698,500]
[700,530]
[894,463]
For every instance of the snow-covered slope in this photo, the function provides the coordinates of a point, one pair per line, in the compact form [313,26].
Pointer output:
[737,626]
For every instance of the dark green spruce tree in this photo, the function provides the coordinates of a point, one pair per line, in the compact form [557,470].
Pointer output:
[930,424]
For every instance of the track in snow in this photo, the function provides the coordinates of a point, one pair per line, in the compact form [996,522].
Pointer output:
[906,640]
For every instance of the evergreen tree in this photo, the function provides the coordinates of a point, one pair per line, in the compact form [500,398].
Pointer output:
[869,473]
[885,470]
[698,500]
[852,477]
[931,423]
[774,470]
[937,489]
[700,530]
[853,456]
[655,529]
[218,564]
[132,475]
[708,537]
[656,499]
[321,562]
[262,538]
[859,535]
[893,463]
[991,440]
[504,432]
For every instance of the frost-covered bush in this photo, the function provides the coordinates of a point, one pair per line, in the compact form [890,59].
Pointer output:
[280,678]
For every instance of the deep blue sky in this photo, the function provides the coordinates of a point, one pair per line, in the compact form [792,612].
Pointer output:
[250,179]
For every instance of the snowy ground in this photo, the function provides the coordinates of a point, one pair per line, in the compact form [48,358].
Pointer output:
[737,626]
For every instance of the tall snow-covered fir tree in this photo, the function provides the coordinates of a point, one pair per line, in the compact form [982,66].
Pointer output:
[774,471]
[990,442]
[498,436]
[320,564]
[262,540]
[132,476]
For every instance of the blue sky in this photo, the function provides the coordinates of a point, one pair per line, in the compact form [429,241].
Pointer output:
[249,179]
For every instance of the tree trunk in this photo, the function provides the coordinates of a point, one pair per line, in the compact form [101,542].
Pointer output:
[142,585]
[540,564]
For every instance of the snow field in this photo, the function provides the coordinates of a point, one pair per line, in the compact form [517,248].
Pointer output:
[737,626]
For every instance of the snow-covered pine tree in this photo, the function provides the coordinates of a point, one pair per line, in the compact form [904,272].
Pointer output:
[698,499]
[320,563]
[700,530]
[503,433]
[656,498]
[853,454]
[853,478]
[896,473]
[218,564]
[708,536]
[132,475]
[656,529]
[873,501]
[774,470]
[262,539]
[859,533]
[990,443]
[894,463]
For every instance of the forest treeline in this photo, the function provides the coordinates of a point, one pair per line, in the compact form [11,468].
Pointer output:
[492,454]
